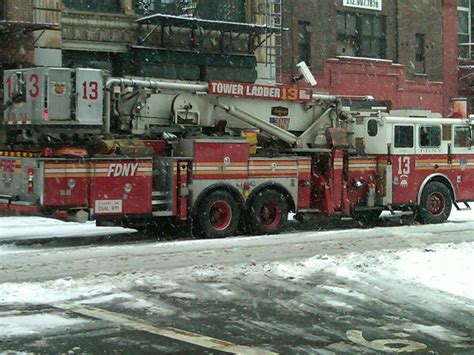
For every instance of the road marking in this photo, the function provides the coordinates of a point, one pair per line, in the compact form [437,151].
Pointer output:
[168,332]
[385,344]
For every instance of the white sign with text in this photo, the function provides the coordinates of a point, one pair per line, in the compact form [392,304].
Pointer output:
[364,4]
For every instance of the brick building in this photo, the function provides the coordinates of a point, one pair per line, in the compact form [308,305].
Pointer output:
[466,52]
[175,39]
[20,34]
[224,43]
[15,46]
[145,37]
[401,51]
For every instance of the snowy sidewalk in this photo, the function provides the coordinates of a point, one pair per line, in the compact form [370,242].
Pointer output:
[26,228]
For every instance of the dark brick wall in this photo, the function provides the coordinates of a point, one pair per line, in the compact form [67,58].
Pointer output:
[19,10]
[404,18]
[12,52]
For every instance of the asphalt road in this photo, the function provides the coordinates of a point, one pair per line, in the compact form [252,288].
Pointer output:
[208,309]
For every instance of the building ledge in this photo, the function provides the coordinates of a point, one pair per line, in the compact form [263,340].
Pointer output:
[95,46]
[364,61]
[192,22]
[91,14]
[8,28]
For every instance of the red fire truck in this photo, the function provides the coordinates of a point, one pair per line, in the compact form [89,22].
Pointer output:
[226,157]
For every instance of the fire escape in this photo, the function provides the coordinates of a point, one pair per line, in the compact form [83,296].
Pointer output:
[270,13]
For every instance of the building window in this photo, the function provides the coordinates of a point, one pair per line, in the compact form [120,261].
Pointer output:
[225,10]
[94,5]
[2,10]
[361,35]
[149,7]
[222,10]
[304,42]
[420,67]
[464,28]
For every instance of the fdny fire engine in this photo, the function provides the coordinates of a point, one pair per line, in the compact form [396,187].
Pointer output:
[227,157]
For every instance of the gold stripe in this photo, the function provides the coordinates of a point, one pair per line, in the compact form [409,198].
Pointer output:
[353,170]
[219,164]
[89,165]
[89,175]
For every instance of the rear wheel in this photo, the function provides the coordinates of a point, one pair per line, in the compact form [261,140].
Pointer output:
[268,212]
[218,215]
[435,204]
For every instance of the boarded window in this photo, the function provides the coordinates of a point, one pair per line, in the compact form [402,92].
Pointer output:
[420,67]
[361,35]
[304,42]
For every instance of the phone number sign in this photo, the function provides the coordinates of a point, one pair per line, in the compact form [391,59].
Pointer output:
[364,4]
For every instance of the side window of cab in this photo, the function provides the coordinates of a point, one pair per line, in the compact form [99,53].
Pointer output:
[430,136]
[372,128]
[462,137]
[403,136]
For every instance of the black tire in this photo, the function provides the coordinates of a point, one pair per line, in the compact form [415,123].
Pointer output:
[435,204]
[268,212]
[218,215]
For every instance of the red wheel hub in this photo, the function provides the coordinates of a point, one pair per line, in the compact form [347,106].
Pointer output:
[220,215]
[435,204]
[270,214]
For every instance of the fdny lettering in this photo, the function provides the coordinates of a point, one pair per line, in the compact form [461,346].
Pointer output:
[121,169]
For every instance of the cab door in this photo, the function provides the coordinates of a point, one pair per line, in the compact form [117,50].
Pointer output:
[403,163]
[462,163]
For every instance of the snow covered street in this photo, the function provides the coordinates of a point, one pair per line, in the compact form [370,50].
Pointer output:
[31,228]
[400,289]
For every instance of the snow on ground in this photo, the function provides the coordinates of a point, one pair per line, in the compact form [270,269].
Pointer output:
[20,325]
[447,268]
[21,228]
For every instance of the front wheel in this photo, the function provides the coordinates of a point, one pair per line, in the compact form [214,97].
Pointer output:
[268,212]
[218,215]
[435,204]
